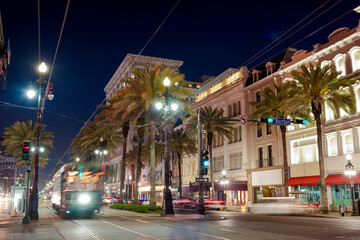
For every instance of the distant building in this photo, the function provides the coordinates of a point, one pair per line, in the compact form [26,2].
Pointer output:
[7,170]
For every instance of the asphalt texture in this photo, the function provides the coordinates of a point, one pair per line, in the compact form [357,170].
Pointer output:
[117,224]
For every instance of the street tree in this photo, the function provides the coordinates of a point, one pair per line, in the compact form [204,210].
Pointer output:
[315,87]
[274,104]
[181,142]
[22,131]
[221,128]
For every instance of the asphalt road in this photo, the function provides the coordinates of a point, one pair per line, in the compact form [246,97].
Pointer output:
[115,224]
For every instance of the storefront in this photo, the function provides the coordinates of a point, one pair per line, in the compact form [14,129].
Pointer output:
[341,189]
[307,189]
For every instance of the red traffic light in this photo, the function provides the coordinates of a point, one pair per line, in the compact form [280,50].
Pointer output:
[26,145]
[205,152]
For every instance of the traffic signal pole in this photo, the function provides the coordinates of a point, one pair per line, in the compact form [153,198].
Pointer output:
[201,206]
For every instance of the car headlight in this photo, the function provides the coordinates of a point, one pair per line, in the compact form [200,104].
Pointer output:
[84,198]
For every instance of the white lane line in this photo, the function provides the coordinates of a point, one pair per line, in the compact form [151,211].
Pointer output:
[132,231]
[142,221]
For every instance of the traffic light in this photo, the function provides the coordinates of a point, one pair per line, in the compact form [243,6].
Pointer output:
[205,163]
[300,121]
[265,120]
[25,150]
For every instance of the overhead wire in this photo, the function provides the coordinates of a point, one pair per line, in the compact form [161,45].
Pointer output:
[295,32]
[244,63]
[302,39]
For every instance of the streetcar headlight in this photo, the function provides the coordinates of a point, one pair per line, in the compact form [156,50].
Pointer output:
[84,198]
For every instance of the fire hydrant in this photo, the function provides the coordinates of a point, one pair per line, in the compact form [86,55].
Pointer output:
[342,209]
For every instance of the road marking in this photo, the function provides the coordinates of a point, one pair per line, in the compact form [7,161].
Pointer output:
[228,230]
[132,231]
[142,221]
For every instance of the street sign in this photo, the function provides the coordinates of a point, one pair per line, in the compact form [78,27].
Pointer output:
[243,119]
[281,121]
[202,180]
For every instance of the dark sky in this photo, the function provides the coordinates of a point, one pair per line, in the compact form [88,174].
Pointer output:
[209,36]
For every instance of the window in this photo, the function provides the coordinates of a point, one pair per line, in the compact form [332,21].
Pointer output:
[260,157]
[235,113]
[270,162]
[347,140]
[332,144]
[218,163]
[343,113]
[235,161]
[355,58]
[258,97]
[235,135]
[303,150]
[230,111]
[340,64]
[240,133]
[268,128]
[259,131]
[329,114]
[239,107]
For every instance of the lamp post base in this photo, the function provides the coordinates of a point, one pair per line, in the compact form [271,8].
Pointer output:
[168,207]
[34,201]
[201,210]
[26,220]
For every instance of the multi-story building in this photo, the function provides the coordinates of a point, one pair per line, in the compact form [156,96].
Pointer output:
[255,154]
[7,170]
[130,62]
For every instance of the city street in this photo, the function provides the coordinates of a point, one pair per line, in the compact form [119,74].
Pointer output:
[115,224]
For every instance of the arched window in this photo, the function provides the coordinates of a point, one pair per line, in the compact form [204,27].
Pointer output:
[329,114]
[340,64]
[324,63]
[355,58]
[347,141]
[332,144]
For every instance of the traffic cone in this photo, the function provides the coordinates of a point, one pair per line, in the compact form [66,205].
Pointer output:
[15,213]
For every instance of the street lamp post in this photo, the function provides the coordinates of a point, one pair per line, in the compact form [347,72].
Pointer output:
[224,182]
[34,200]
[168,206]
[349,171]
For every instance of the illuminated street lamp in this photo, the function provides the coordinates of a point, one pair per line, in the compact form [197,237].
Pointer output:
[349,171]
[168,206]
[42,95]
[224,182]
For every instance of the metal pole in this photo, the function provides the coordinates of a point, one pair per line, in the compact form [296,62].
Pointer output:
[167,193]
[26,219]
[201,207]
[352,196]
[34,201]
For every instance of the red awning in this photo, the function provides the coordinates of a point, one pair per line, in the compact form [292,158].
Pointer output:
[303,181]
[341,179]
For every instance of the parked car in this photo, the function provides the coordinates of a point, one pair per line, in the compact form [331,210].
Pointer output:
[108,199]
[115,199]
[146,202]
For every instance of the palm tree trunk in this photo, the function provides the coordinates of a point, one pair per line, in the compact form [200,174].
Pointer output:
[152,166]
[321,162]
[140,133]
[125,133]
[179,165]
[212,165]
[286,175]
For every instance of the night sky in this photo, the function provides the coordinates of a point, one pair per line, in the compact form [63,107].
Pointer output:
[209,36]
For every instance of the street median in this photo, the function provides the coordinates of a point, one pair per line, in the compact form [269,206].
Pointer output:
[136,208]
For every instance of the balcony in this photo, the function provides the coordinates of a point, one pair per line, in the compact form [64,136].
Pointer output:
[265,163]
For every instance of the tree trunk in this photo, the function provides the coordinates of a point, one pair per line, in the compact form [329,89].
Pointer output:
[132,181]
[140,133]
[212,165]
[321,162]
[179,165]
[286,175]
[125,133]
[152,166]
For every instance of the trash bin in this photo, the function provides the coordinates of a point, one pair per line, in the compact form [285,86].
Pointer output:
[18,194]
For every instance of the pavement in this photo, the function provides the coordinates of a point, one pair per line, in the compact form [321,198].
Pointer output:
[118,224]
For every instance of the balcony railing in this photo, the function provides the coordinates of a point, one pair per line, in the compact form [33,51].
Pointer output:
[265,163]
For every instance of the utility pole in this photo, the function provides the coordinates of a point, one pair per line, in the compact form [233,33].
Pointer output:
[201,207]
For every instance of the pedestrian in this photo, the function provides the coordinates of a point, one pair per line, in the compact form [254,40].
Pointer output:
[342,209]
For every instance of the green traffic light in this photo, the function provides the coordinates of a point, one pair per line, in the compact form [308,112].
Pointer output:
[270,120]
[305,122]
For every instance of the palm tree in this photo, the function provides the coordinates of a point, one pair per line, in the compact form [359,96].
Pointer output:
[315,87]
[274,105]
[180,142]
[89,139]
[211,127]
[22,131]
[142,90]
